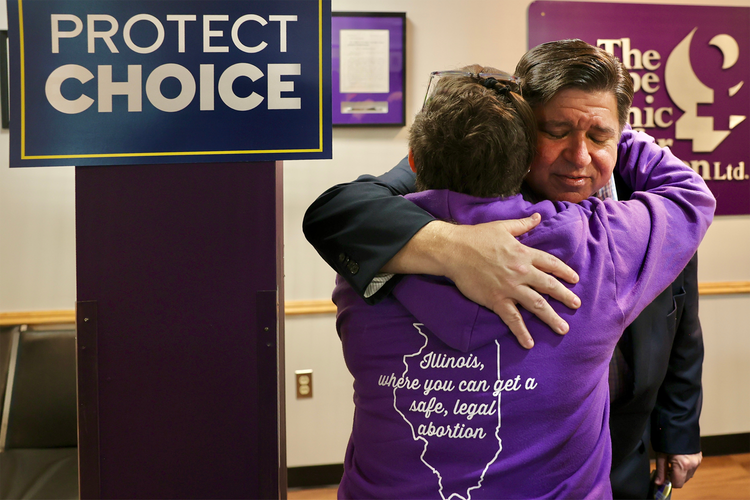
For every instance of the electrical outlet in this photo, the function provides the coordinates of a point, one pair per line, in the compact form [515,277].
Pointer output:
[304,383]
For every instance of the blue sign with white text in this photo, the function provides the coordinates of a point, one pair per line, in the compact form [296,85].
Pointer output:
[117,82]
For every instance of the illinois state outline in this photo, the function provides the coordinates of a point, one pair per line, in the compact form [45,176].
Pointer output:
[451,408]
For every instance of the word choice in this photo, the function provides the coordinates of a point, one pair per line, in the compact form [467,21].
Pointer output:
[206,87]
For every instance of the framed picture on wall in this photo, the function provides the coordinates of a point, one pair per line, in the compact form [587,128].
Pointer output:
[4,104]
[368,62]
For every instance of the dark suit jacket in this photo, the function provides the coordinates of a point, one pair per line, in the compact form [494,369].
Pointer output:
[357,227]
[664,348]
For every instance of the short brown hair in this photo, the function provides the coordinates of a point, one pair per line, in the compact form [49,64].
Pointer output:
[473,139]
[551,67]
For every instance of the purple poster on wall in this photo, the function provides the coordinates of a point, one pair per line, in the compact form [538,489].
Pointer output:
[691,68]
[369,68]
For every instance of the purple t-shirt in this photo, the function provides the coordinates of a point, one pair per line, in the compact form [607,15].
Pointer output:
[449,406]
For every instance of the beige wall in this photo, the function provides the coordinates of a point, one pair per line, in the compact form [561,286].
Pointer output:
[37,232]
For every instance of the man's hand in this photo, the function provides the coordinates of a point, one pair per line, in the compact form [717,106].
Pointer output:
[677,468]
[490,267]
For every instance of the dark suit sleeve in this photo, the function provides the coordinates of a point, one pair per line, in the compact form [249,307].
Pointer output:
[674,422]
[358,227]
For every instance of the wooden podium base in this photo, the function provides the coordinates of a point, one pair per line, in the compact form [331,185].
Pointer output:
[180,340]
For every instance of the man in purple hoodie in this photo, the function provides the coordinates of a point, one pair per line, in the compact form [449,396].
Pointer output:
[448,405]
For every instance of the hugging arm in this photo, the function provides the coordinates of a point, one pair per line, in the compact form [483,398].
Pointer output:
[364,227]
[357,227]
[676,207]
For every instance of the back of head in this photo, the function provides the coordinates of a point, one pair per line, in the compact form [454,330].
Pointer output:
[473,136]
[553,66]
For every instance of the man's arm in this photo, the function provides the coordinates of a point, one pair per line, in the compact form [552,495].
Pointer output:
[357,227]
[490,267]
[363,227]
[675,433]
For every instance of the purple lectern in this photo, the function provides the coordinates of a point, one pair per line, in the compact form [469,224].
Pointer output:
[180,331]
[177,116]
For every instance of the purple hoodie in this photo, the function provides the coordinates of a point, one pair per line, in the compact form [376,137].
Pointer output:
[449,406]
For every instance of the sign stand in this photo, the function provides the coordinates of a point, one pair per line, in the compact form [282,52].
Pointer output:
[176,115]
[180,331]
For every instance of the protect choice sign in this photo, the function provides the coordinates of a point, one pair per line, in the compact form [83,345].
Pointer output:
[105,82]
[691,68]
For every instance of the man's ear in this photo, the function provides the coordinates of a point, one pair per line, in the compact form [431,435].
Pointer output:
[411,161]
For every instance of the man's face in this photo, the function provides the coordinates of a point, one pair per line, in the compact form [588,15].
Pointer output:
[576,145]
